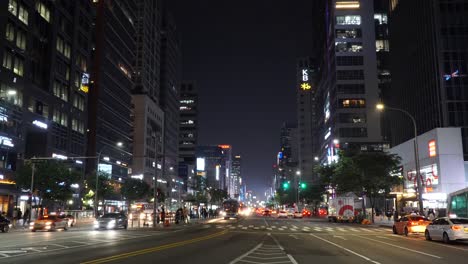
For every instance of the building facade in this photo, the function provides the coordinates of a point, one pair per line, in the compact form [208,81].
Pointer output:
[236,175]
[349,90]
[44,82]
[436,93]
[211,167]
[188,136]
[110,112]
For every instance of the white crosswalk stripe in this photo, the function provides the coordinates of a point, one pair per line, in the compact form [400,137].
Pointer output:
[307,229]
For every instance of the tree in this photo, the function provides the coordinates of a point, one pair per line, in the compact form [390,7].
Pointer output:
[134,189]
[106,187]
[365,173]
[218,195]
[52,181]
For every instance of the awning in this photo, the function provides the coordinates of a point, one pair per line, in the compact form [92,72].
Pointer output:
[9,189]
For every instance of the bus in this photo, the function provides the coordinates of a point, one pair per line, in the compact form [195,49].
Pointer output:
[458,203]
[230,209]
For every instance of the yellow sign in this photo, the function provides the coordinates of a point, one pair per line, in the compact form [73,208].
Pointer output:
[306,86]
[84,88]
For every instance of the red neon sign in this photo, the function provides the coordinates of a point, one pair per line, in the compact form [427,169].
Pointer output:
[224,146]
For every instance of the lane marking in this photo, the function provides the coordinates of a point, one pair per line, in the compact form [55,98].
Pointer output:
[346,249]
[386,238]
[292,259]
[153,249]
[57,245]
[295,237]
[266,257]
[266,223]
[246,254]
[340,237]
[412,250]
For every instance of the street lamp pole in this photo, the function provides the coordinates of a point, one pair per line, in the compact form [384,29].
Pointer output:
[416,152]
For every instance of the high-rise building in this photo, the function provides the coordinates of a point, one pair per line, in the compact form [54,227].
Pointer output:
[110,112]
[44,81]
[307,116]
[236,175]
[429,63]
[169,97]
[229,181]
[287,160]
[349,86]
[148,117]
[188,135]
[211,166]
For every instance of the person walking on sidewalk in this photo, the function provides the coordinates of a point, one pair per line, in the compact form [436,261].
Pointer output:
[185,214]
[19,215]
[26,216]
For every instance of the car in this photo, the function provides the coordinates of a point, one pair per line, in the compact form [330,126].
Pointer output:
[306,213]
[282,214]
[5,224]
[290,213]
[111,221]
[70,218]
[297,215]
[447,229]
[49,223]
[266,213]
[410,224]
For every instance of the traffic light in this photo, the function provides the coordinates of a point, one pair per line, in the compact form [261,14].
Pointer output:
[286,185]
[303,185]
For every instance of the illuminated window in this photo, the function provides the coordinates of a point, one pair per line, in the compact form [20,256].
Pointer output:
[77,125]
[185,108]
[348,20]
[342,46]
[7,60]
[43,11]
[13,7]
[23,14]
[352,103]
[381,18]
[347,5]
[78,101]
[348,33]
[11,95]
[61,91]
[19,66]
[10,32]
[21,39]
[381,45]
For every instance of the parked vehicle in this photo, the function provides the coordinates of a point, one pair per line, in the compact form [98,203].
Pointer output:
[230,209]
[342,209]
[49,223]
[447,229]
[5,224]
[111,221]
[410,224]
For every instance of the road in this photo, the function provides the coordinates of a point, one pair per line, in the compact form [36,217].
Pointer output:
[251,240]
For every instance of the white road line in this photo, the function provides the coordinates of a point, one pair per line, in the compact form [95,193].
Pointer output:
[280,229]
[348,250]
[266,257]
[273,226]
[246,254]
[317,229]
[57,245]
[4,255]
[269,228]
[340,237]
[244,228]
[262,226]
[256,228]
[412,250]
[251,226]
[293,236]
[365,229]
[239,225]
[284,226]
[267,254]
[294,226]
[292,259]
[341,229]
[266,222]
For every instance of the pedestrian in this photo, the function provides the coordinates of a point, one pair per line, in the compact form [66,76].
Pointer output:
[186,216]
[19,215]
[163,214]
[26,217]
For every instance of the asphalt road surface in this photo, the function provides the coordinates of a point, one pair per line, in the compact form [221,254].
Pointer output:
[252,240]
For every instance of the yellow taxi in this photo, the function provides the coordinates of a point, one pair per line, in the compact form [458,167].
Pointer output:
[410,224]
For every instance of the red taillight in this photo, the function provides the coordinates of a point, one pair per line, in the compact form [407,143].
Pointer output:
[456,228]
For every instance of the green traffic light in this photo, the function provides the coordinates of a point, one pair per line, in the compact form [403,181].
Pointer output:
[303,185]
[285,185]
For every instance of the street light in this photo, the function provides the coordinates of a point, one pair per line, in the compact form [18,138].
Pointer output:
[118,144]
[382,107]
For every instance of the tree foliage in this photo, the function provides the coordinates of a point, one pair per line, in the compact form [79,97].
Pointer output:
[134,189]
[52,180]
[106,186]
[217,195]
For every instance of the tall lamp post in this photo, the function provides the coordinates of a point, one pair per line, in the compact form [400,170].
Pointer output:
[382,107]
[118,144]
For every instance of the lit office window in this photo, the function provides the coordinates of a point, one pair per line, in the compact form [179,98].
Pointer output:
[19,66]
[343,46]
[43,11]
[10,32]
[23,14]
[21,39]
[348,20]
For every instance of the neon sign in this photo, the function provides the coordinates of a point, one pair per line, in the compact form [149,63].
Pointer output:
[305,86]
[305,75]
[432,148]
[454,74]
[224,146]
[84,83]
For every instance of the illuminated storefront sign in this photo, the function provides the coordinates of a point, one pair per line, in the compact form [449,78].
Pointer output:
[6,141]
[224,146]
[432,148]
[58,156]
[429,178]
[305,86]
[305,75]
[217,172]
[84,82]
[347,5]
[40,124]
[200,164]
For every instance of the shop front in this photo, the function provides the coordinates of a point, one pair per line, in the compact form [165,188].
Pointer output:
[441,169]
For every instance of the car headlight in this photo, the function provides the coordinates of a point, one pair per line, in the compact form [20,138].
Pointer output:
[48,223]
[111,222]
[96,222]
[222,213]
[31,224]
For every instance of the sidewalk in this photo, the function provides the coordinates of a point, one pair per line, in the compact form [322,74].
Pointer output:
[383,222]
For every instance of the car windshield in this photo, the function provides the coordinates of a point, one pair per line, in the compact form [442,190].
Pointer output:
[459,220]
[110,215]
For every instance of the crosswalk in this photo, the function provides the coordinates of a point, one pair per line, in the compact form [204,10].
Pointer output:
[294,228]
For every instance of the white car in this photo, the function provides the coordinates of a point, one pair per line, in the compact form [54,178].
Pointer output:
[297,215]
[447,229]
[282,214]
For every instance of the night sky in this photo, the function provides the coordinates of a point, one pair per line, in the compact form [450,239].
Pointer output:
[242,54]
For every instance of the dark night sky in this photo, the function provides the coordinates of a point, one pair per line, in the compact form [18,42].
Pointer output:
[242,54]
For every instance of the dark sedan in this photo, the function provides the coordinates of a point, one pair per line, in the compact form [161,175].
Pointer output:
[111,221]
